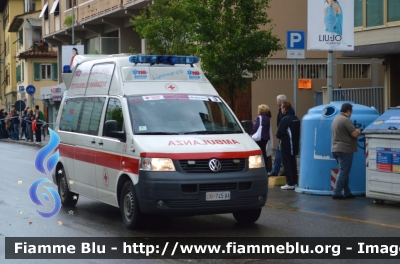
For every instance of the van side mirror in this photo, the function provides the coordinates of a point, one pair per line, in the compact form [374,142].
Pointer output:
[111,130]
[248,126]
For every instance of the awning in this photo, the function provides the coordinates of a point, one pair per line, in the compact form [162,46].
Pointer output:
[44,10]
[35,22]
[16,24]
[54,7]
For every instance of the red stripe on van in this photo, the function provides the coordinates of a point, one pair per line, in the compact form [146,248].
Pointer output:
[66,151]
[202,155]
[86,155]
[112,161]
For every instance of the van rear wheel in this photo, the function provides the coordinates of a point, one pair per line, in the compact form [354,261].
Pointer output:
[247,217]
[67,197]
[132,217]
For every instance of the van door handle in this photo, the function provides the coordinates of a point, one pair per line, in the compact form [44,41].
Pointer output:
[93,141]
[101,143]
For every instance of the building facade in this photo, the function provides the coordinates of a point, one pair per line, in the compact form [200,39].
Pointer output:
[277,78]
[377,35]
[17,35]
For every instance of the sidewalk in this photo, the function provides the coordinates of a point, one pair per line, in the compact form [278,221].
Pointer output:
[27,143]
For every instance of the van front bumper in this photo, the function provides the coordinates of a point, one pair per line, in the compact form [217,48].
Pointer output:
[185,193]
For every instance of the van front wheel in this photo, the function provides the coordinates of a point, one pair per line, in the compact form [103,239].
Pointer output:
[247,217]
[67,197]
[131,214]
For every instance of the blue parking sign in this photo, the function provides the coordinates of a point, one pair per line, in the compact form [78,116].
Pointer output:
[295,40]
[21,88]
[295,44]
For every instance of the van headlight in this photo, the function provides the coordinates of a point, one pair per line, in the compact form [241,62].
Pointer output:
[256,161]
[156,164]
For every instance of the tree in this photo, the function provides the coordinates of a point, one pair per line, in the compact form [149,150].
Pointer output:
[168,27]
[225,34]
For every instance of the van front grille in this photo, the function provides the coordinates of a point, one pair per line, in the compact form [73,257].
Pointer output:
[201,166]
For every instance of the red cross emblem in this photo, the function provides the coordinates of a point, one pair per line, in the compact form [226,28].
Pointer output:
[105,178]
[171,87]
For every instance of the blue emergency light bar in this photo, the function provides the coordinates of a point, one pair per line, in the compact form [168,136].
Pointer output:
[66,69]
[163,59]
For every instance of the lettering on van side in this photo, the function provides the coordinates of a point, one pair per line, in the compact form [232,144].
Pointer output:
[166,75]
[81,73]
[78,85]
[202,142]
[97,84]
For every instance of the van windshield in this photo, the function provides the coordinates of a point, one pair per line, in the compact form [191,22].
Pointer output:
[180,114]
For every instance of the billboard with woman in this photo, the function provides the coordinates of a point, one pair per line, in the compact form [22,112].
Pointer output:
[330,25]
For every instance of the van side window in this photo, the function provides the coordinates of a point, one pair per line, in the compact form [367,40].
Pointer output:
[70,114]
[114,112]
[89,120]
[82,115]
[100,79]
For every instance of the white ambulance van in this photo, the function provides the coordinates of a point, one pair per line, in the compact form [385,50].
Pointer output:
[149,134]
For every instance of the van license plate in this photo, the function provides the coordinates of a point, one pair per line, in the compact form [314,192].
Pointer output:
[216,196]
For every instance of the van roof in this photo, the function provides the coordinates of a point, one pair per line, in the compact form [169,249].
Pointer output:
[153,78]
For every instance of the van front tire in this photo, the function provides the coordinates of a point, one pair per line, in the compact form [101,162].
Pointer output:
[132,217]
[67,197]
[247,217]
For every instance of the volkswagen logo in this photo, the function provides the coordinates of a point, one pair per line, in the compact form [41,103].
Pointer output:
[215,165]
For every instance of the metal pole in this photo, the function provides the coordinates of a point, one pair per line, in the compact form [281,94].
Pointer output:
[330,76]
[295,83]
[73,22]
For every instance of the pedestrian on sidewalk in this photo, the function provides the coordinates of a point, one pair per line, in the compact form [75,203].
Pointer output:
[344,144]
[31,119]
[263,121]
[2,124]
[270,146]
[289,136]
[39,117]
[280,99]
[8,125]
[23,125]
[15,124]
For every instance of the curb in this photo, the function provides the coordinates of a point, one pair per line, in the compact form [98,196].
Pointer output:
[23,142]
[276,180]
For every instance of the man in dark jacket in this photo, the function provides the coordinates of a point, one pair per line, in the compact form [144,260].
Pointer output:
[280,99]
[15,124]
[289,135]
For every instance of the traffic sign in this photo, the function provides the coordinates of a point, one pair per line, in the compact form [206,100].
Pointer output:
[295,44]
[21,88]
[30,89]
[19,105]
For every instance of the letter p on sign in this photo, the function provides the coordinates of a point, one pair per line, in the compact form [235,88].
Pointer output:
[294,37]
[295,40]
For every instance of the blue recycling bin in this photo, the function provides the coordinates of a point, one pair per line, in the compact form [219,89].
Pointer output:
[318,168]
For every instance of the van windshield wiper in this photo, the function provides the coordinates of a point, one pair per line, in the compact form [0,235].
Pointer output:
[157,133]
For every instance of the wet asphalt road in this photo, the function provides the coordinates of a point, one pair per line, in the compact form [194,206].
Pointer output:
[286,214]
